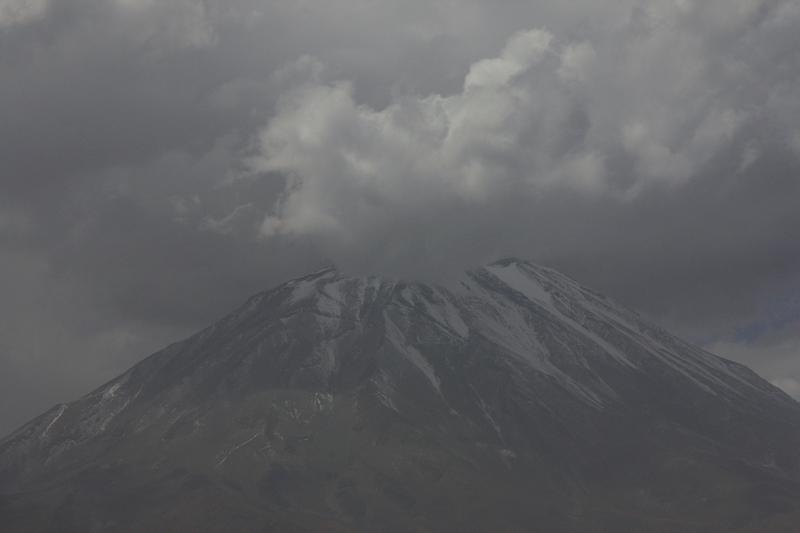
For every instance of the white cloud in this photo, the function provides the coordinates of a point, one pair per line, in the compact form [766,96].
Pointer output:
[352,163]
[177,23]
[522,51]
[576,60]
[13,12]
[544,115]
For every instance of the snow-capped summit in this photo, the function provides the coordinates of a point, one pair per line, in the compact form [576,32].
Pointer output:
[511,397]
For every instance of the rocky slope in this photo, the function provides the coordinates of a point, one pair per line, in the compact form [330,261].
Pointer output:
[511,399]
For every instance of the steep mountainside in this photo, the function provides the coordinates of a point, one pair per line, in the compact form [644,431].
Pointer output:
[512,399]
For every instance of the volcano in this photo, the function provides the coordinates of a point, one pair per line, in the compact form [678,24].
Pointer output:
[510,399]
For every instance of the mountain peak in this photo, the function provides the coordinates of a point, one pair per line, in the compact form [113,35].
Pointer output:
[508,261]
[331,396]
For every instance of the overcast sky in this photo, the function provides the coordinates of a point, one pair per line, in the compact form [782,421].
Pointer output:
[162,160]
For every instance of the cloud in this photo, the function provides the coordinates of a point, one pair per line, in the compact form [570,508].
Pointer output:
[352,163]
[576,61]
[501,131]
[180,23]
[13,12]
[655,106]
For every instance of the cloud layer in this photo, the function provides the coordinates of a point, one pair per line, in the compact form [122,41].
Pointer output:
[684,104]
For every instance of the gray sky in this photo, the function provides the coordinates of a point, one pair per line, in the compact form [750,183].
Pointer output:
[161,161]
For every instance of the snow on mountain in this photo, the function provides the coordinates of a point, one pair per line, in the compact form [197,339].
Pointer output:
[343,394]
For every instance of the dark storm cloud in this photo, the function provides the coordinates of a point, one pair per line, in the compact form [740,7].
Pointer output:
[163,160]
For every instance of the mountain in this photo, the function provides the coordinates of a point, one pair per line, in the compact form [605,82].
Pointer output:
[511,399]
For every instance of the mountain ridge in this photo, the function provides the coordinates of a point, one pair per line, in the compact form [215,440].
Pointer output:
[512,380]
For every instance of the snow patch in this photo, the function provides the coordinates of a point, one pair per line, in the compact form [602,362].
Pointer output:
[55,419]
[488,415]
[522,282]
[111,391]
[446,315]
[505,323]
[384,390]
[531,287]
[331,301]
[322,401]
[397,339]
[227,454]
[303,289]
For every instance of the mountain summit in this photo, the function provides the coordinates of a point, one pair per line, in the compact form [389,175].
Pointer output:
[512,399]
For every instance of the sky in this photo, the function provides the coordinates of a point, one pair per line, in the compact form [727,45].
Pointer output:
[162,161]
